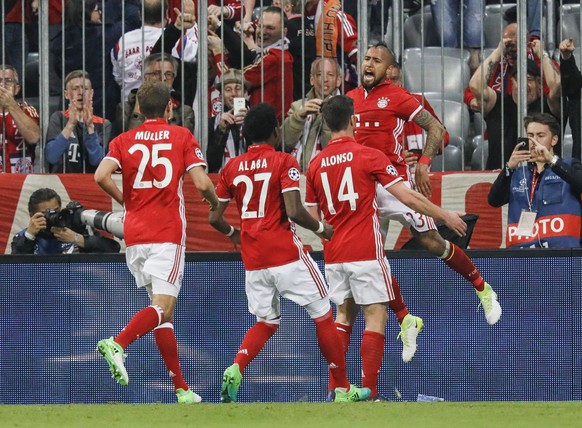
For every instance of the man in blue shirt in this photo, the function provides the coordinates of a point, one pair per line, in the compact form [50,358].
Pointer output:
[542,190]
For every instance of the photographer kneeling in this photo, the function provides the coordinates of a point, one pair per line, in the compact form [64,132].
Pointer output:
[43,237]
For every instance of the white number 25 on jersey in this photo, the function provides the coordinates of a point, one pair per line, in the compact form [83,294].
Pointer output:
[156,160]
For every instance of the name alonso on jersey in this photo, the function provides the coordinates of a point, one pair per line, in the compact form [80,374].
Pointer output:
[337,159]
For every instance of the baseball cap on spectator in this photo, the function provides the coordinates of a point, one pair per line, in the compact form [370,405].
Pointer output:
[532,68]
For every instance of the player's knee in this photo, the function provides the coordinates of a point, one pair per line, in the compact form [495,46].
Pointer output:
[433,242]
[319,308]
[273,324]
[376,317]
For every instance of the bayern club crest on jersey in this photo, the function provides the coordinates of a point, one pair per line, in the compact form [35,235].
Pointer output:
[391,170]
[382,102]
[199,153]
[294,174]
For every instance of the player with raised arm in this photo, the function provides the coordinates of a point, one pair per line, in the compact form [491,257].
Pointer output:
[265,186]
[381,110]
[341,181]
[153,159]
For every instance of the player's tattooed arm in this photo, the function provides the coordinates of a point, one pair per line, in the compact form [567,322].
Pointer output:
[435,132]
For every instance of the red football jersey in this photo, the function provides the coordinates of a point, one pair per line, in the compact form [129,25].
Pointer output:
[257,181]
[342,181]
[381,115]
[18,153]
[153,159]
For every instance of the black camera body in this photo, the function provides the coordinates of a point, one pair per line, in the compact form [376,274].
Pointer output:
[70,217]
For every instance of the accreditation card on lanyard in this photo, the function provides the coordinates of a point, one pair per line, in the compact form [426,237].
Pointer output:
[527,219]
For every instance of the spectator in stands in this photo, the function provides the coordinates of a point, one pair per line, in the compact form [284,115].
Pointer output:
[225,139]
[446,15]
[504,119]
[571,86]
[533,16]
[543,190]
[213,94]
[83,45]
[304,132]
[413,136]
[231,9]
[42,237]
[270,75]
[77,139]
[161,67]
[500,76]
[181,40]
[115,26]
[302,32]
[136,46]
[285,5]
[19,126]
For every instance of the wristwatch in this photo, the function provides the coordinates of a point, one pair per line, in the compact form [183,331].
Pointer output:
[554,160]
[508,170]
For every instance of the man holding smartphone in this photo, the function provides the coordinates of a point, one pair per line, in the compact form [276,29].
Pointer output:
[225,140]
[304,133]
[542,190]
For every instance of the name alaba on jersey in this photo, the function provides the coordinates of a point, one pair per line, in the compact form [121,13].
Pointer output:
[257,180]
[381,115]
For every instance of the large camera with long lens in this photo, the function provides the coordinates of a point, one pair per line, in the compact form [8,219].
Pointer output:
[75,217]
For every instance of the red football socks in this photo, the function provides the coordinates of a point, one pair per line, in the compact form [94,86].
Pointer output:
[327,337]
[142,323]
[458,260]
[344,332]
[371,351]
[254,340]
[168,347]
[397,305]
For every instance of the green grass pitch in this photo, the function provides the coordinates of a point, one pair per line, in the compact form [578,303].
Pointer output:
[320,415]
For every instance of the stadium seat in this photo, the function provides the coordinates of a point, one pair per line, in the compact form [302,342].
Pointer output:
[479,158]
[32,57]
[54,103]
[453,114]
[479,124]
[450,160]
[436,51]
[448,76]
[31,79]
[413,35]
[456,141]
[567,144]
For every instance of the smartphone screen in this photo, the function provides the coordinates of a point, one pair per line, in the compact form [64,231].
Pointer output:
[239,104]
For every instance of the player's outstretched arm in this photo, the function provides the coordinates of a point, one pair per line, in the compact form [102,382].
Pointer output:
[435,133]
[298,214]
[103,178]
[217,221]
[204,185]
[420,204]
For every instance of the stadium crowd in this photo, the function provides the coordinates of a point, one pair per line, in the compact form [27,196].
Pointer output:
[277,74]
[274,45]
